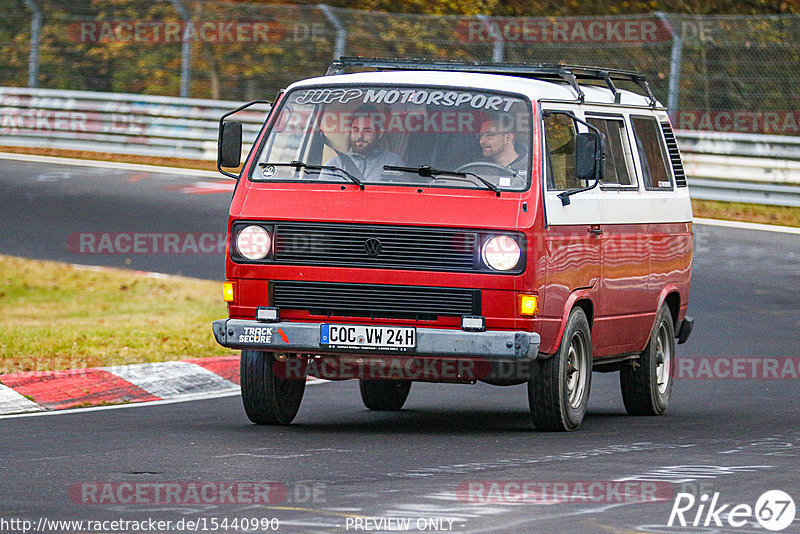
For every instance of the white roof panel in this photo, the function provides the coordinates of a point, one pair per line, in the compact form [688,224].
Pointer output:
[532,88]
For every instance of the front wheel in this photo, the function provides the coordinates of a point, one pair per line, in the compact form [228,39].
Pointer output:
[646,383]
[268,398]
[384,395]
[558,388]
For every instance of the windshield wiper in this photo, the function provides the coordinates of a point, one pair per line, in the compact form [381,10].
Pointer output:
[428,172]
[301,165]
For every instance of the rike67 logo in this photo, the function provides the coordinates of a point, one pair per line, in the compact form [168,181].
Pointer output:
[774,510]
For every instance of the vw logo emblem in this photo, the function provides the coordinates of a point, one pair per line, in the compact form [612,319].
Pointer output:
[372,247]
[269,171]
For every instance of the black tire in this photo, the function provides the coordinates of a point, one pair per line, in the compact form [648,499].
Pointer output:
[558,388]
[384,395]
[268,399]
[646,383]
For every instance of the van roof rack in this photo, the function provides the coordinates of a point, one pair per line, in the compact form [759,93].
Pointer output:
[569,73]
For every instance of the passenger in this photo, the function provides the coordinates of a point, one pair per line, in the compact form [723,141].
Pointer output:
[365,151]
[497,143]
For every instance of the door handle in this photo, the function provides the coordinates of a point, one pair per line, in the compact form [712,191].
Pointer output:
[595,230]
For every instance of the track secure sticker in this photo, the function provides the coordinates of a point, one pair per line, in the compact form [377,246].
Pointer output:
[258,334]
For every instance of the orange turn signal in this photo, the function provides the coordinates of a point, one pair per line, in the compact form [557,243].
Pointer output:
[228,291]
[528,304]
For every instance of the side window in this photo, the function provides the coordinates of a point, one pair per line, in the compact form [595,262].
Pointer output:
[559,134]
[618,169]
[651,153]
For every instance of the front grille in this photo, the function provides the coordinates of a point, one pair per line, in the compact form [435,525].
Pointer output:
[381,247]
[375,301]
[674,155]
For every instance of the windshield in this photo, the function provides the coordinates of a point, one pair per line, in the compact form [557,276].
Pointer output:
[336,134]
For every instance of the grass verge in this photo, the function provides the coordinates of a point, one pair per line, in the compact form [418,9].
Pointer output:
[56,316]
[737,211]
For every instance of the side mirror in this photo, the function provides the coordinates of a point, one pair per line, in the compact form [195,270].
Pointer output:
[229,152]
[589,156]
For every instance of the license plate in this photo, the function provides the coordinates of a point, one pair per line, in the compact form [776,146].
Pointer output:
[386,338]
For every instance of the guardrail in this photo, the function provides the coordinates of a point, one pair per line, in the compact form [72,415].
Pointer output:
[751,168]
[118,123]
[742,167]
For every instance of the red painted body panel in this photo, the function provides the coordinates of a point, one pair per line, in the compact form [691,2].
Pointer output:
[626,306]
[626,287]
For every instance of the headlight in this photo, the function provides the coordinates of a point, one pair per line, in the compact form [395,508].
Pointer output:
[501,253]
[253,242]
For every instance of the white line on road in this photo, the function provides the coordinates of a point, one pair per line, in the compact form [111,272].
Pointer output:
[186,398]
[189,397]
[748,226]
[155,169]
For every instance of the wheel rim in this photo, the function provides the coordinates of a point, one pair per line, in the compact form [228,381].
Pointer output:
[576,370]
[663,358]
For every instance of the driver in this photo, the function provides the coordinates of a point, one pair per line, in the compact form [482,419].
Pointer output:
[365,152]
[496,138]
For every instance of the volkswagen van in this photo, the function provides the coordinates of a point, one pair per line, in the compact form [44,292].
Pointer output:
[399,221]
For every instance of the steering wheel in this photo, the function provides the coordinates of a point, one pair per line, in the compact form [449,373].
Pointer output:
[477,165]
[465,167]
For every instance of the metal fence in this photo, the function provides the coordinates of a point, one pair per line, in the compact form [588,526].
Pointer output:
[717,73]
[118,123]
[720,166]
[736,167]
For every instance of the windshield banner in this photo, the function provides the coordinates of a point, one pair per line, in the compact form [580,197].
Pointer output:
[427,97]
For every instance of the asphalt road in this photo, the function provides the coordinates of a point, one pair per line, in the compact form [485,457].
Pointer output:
[339,462]
[47,209]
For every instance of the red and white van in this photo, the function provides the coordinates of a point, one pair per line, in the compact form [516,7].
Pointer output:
[449,222]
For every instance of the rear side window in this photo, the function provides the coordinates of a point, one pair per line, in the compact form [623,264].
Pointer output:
[618,169]
[559,134]
[652,153]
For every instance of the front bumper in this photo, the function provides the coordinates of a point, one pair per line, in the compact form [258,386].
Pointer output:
[304,338]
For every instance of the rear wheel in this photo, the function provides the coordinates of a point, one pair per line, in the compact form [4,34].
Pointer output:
[384,395]
[558,389]
[268,399]
[646,383]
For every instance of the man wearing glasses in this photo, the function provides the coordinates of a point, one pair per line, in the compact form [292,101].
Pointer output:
[496,138]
